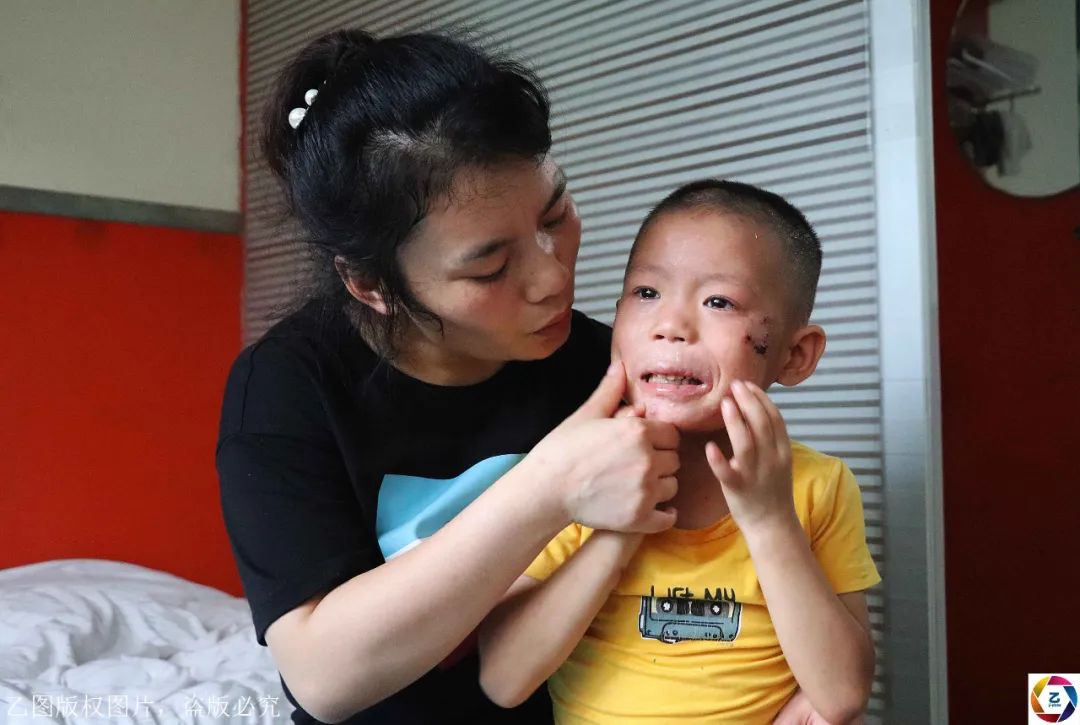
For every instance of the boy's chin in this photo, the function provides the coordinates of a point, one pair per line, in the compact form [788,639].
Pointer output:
[686,420]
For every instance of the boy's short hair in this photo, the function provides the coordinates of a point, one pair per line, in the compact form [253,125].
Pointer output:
[800,243]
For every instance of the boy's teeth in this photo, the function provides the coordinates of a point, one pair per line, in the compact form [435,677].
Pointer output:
[672,379]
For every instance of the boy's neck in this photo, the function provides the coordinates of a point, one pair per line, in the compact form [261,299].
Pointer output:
[700,500]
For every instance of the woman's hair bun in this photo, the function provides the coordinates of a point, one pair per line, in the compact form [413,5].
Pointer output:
[312,67]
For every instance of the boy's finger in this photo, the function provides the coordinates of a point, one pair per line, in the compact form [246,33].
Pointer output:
[720,466]
[631,411]
[779,427]
[742,445]
[757,417]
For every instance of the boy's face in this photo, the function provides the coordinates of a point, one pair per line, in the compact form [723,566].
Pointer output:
[704,303]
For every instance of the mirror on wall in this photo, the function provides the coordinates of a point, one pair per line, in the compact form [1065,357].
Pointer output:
[1013,82]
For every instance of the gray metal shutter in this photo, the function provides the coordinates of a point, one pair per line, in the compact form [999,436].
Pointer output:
[648,95]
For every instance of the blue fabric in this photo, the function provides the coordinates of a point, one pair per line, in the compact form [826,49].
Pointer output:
[411,508]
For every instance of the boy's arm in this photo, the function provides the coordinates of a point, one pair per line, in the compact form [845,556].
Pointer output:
[825,637]
[799,711]
[525,639]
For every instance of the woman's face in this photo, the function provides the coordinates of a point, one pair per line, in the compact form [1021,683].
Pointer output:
[495,261]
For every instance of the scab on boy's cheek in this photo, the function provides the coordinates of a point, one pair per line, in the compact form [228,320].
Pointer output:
[758,335]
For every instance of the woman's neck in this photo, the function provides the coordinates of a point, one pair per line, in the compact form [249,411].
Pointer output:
[700,501]
[423,359]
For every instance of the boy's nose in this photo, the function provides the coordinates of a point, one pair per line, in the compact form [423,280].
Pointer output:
[673,328]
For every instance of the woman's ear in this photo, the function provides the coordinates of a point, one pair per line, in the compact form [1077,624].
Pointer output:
[807,347]
[358,288]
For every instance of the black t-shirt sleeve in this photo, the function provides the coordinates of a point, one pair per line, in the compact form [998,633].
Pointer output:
[292,516]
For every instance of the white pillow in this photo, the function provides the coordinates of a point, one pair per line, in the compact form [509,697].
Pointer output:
[151,645]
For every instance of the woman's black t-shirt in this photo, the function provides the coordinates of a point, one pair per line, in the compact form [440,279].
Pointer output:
[331,461]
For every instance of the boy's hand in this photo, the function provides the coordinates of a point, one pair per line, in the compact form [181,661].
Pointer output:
[757,480]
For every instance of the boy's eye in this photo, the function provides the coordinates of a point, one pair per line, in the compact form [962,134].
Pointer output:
[719,303]
[646,293]
[493,277]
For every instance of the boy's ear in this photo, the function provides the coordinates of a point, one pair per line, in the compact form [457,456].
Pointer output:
[369,295]
[805,351]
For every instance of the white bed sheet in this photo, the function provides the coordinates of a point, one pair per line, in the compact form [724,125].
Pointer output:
[90,641]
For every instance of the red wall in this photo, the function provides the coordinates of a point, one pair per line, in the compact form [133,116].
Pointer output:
[116,339]
[1009,287]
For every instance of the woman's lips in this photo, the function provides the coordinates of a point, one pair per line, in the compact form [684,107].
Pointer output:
[556,324]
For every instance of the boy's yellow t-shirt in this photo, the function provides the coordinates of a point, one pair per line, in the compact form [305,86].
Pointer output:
[685,634]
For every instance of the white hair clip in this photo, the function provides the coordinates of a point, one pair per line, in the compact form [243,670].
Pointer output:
[297,114]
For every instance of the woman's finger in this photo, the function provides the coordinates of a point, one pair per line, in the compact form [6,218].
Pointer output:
[666,488]
[607,397]
[663,436]
[657,520]
[665,463]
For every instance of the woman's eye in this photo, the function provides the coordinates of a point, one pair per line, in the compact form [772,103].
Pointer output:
[719,303]
[493,277]
[645,293]
[554,223]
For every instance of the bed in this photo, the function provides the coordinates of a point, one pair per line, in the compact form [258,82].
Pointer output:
[93,641]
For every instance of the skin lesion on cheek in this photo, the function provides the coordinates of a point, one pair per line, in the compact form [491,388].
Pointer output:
[758,336]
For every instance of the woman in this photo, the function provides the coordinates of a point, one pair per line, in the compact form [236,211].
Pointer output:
[394,454]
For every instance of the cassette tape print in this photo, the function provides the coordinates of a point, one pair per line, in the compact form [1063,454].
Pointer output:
[679,619]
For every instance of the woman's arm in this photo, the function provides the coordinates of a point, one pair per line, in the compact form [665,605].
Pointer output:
[526,639]
[383,629]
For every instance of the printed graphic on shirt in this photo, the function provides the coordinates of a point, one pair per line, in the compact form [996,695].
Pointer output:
[680,617]
[412,508]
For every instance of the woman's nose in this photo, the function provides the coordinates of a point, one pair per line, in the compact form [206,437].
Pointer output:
[550,274]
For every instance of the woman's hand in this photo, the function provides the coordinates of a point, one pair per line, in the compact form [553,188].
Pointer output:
[611,472]
[757,479]
[627,545]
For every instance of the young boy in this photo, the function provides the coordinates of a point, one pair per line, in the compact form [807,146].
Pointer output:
[715,308]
